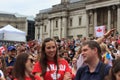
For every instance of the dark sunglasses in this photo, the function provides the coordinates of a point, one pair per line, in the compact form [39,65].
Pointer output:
[31,60]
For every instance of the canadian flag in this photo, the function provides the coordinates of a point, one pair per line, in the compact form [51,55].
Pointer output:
[99,31]
[2,49]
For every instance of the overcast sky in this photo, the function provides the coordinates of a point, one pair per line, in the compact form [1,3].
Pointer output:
[26,7]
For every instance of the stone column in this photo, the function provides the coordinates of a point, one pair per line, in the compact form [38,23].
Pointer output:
[41,31]
[95,21]
[90,22]
[87,24]
[52,28]
[59,28]
[49,28]
[64,25]
[118,19]
[95,18]
[38,31]
[109,19]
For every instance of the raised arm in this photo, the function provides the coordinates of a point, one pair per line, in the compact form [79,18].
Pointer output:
[107,34]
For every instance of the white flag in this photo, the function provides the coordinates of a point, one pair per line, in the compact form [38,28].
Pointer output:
[99,31]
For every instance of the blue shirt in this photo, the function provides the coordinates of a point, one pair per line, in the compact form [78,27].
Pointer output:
[83,73]
[11,63]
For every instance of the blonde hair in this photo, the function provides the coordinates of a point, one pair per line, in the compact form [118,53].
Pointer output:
[104,48]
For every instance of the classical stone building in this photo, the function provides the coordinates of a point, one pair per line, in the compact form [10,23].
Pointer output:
[77,18]
[21,22]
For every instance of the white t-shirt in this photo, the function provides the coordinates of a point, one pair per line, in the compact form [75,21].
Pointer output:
[80,61]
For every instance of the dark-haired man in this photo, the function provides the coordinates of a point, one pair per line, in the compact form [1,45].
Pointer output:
[10,59]
[95,69]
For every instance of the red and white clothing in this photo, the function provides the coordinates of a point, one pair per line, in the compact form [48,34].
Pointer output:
[52,68]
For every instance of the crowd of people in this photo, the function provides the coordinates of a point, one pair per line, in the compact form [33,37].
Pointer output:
[65,59]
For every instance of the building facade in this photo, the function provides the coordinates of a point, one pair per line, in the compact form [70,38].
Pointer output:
[21,22]
[77,18]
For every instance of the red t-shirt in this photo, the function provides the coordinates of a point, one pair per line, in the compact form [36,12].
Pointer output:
[51,70]
[118,41]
